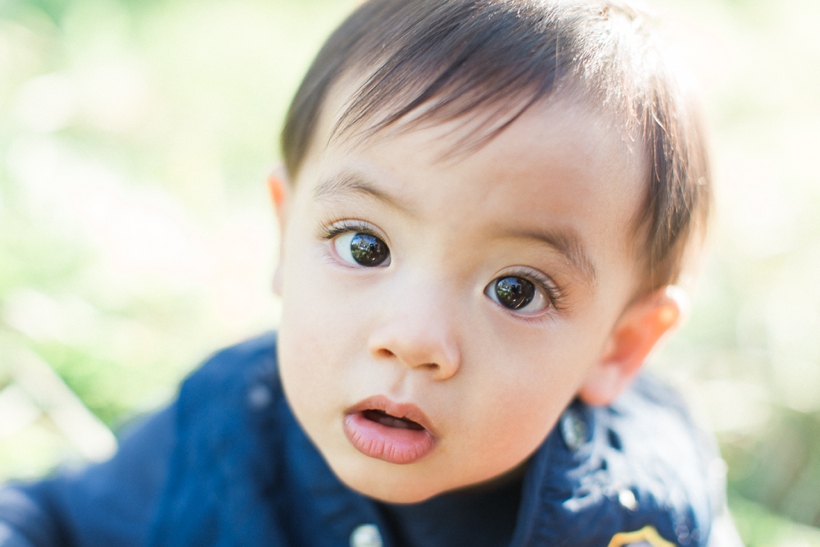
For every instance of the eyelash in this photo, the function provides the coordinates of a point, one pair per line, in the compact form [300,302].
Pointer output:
[331,230]
[555,293]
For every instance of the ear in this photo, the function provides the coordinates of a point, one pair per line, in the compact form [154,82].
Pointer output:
[636,333]
[279,190]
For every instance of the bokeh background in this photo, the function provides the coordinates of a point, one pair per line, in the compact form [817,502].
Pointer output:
[136,237]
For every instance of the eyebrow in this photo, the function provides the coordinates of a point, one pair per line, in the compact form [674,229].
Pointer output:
[354,184]
[565,241]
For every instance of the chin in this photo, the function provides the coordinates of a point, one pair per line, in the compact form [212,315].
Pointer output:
[396,496]
[398,485]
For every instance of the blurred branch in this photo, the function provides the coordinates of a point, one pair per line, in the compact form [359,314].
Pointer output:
[36,387]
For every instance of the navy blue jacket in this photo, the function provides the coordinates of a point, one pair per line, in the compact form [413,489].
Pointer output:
[227,465]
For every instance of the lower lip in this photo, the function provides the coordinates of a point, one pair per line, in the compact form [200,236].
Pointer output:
[390,444]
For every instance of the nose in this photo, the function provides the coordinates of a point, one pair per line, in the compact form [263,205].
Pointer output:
[420,335]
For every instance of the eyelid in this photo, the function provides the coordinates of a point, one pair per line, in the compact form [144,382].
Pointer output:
[335,228]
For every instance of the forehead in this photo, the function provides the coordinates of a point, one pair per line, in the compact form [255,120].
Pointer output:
[561,167]
[593,135]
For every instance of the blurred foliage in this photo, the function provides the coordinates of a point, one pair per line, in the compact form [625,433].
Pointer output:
[780,465]
[135,231]
[135,235]
[750,354]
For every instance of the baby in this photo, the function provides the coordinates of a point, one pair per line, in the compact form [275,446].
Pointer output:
[485,207]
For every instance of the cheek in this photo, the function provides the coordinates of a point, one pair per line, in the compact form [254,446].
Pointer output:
[306,334]
[530,401]
[523,385]
[545,363]
[500,430]
[320,326]
[509,407]
[308,301]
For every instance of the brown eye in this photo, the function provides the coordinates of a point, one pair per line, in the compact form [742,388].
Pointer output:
[362,249]
[514,292]
[517,294]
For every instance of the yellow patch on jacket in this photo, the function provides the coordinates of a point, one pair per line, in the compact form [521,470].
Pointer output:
[647,534]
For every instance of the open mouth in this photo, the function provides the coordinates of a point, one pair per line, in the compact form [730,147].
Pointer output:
[385,419]
[394,432]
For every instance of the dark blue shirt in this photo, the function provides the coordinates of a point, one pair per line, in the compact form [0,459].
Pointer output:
[475,517]
[227,464]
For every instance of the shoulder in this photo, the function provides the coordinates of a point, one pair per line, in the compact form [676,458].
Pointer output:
[235,363]
[228,432]
[238,374]
[229,390]
[640,469]
[652,444]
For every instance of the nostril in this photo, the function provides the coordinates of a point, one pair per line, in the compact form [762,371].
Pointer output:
[384,352]
[437,355]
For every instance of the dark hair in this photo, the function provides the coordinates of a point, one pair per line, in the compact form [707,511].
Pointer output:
[497,58]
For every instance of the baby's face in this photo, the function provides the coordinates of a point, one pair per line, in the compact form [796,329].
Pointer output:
[440,313]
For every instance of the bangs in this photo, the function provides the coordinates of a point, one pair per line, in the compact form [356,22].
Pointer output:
[450,63]
[483,63]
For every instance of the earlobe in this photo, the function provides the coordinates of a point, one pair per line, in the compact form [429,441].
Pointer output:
[636,333]
[279,190]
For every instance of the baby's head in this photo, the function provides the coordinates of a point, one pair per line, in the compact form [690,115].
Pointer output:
[487,202]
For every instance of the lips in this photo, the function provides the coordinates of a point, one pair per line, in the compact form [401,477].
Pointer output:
[394,432]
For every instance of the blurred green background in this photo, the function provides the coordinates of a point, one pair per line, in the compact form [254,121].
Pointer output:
[135,233]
